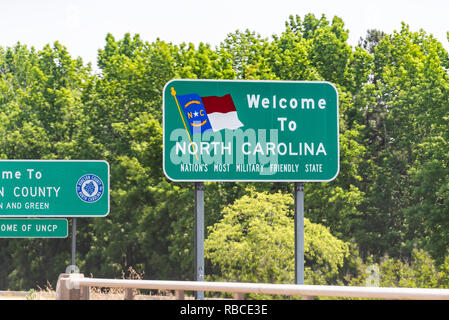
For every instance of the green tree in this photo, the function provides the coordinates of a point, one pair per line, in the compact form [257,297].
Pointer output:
[254,242]
[403,106]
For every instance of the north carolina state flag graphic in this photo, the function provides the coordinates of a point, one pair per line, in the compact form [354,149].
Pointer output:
[222,113]
[209,113]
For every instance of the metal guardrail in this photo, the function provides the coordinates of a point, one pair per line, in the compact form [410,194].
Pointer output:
[75,286]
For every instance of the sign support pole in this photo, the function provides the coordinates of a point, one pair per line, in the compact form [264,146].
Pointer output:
[299,232]
[73,243]
[199,236]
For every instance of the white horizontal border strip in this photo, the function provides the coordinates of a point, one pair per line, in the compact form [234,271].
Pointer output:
[221,121]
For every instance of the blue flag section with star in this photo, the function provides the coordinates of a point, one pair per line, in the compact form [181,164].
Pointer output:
[195,113]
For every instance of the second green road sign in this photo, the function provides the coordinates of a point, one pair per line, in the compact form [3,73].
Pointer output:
[54,188]
[33,228]
[223,130]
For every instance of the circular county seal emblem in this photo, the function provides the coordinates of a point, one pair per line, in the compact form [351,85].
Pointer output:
[89,188]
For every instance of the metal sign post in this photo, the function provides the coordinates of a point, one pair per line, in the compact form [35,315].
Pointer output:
[299,232]
[73,241]
[199,236]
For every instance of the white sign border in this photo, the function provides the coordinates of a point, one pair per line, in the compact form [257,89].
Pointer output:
[250,180]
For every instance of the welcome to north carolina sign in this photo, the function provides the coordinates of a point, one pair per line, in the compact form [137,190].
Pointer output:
[223,130]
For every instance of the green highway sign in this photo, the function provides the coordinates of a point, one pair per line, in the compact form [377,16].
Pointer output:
[226,130]
[33,228]
[54,188]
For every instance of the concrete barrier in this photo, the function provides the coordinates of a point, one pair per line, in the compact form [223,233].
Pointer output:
[67,289]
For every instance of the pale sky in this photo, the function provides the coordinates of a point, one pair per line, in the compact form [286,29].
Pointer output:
[82,25]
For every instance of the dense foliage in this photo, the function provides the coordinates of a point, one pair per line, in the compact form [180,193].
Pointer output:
[388,206]
[254,242]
